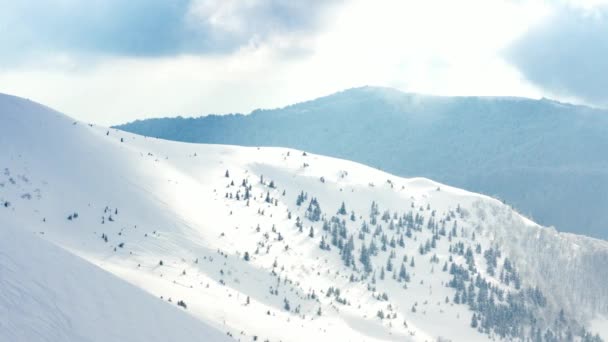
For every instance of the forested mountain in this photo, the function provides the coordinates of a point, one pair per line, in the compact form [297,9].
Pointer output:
[547,159]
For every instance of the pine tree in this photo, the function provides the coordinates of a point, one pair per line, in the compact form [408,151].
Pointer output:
[342,210]
[313,212]
[389,265]
[334,236]
[373,249]
[365,259]
[323,245]
[347,252]
[301,198]
[474,321]
[247,195]
[402,272]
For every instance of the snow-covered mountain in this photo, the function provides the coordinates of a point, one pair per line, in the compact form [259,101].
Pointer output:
[273,244]
[48,294]
[545,158]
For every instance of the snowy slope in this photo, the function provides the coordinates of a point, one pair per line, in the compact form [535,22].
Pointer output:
[174,219]
[545,158]
[47,294]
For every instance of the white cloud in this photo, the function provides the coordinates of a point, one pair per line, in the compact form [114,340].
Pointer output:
[436,47]
[566,54]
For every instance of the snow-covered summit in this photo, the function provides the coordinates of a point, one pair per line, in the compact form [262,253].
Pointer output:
[280,244]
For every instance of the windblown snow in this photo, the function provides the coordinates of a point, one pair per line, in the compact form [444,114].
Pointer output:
[266,244]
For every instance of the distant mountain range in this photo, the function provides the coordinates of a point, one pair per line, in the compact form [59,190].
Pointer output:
[547,159]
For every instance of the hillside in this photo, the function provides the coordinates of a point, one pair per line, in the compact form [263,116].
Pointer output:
[47,294]
[280,244]
[545,158]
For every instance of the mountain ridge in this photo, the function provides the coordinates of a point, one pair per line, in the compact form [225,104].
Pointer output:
[544,157]
[256,241]
[378,91]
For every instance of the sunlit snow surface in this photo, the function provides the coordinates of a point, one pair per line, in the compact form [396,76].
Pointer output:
[47,294]
[156,201]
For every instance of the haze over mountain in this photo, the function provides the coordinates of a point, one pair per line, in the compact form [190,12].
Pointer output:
[270,243]
[545,158]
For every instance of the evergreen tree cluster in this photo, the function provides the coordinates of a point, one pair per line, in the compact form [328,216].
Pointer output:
[502,307]
[313,212]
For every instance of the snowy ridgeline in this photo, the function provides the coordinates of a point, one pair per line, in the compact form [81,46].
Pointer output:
[277,244]
[547,159]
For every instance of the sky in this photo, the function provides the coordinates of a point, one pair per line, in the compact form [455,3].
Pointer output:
[114,61]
